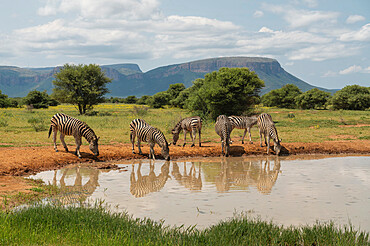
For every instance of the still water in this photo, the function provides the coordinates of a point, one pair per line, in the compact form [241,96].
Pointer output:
[204,191]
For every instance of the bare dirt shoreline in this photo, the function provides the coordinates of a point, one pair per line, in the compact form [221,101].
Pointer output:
[21,161]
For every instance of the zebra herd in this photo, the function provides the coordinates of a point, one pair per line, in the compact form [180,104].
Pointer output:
[141,130]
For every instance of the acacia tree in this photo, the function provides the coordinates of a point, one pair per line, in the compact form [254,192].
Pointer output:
[80,85]
[227,91]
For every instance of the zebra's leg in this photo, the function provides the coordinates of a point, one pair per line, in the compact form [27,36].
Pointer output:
[138,146]
[193,135]
[62,140]
[199,132]
[250,135]
[151,152]
[132,139]
[245,131]
[185,131]
[55,131]
[268,143]
[78,145]
[260,137]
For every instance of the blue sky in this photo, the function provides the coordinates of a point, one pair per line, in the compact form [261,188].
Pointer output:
[325,43]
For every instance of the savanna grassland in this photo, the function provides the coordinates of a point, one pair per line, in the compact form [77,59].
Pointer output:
[24,128]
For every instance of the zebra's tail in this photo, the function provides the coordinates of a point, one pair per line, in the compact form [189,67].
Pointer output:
[51,127]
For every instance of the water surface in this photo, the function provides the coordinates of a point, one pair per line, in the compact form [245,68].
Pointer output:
[204,191]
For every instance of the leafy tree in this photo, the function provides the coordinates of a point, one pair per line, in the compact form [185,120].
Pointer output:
[227,91]
[159,100]
[82,85]
[4,101]
[174,90]
[312,99]
[143,100]
[283,97]
[352,97]
[38,99]
[130,100]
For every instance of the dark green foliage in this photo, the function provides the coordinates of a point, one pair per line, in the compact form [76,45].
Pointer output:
[227,91]
[143,100]
[82,85]
[130,100]
[4,101]
[159,100]
[352,97]
[174,91]
[39,99]
[283,97]
[312,99]
[48,225]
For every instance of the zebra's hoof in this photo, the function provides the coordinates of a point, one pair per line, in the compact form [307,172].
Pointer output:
[251,142]
[242,142]
[200,145]
[56,150]
[192,145]
[184,145]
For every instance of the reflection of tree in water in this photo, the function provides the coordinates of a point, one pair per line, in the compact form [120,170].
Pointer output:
[247,174]
[188,180]
[144,184]
[76,193]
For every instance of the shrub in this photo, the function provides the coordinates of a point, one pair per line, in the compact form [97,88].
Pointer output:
[312,99]
[352,97]
[283,97]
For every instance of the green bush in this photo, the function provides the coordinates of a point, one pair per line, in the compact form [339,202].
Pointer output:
[352,97]
[312,99]
[283,97]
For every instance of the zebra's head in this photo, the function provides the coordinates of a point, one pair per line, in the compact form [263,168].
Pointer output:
[175,134]
[166,152]
[94,146]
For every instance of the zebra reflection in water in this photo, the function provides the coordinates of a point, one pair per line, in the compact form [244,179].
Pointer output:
[76,193]
[188,180]
[248,174]
[142,185]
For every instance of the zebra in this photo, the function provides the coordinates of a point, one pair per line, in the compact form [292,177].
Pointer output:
[151,135]
[223,129]
[191,125]
[243,122]
[267,128]
[134,125]
[68,125]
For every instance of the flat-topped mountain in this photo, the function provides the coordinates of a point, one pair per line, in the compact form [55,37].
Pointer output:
[128,79]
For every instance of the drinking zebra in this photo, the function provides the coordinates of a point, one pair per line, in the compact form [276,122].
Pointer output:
[70,126]
[267,128]
[191,125]
[151,135]
[243,122]
[223,129]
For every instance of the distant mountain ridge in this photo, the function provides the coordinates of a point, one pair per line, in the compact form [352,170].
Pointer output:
[128,79]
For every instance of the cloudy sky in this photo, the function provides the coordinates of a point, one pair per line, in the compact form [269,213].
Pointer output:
[325,43]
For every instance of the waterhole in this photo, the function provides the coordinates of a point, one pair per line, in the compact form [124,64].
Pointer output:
[203,192]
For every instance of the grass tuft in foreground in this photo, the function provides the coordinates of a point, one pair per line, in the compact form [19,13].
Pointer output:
[53,225]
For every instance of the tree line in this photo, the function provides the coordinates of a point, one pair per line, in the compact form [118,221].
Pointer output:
[227,91]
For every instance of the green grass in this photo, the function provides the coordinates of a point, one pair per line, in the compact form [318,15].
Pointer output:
[53,225]
[22,127]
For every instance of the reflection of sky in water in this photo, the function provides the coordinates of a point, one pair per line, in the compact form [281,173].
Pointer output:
[286,191]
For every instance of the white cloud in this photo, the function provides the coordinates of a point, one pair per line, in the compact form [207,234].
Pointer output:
[354,18]
[361,35]
[258,14]
[329,74]
[303,18]
[354,69]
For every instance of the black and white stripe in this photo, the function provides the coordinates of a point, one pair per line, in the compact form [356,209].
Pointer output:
[267,128]
[70,126]
[151,135]
[135,125]
[243,122]
[191,125]
[223,129]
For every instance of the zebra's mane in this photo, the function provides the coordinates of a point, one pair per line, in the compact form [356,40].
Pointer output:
[178,127]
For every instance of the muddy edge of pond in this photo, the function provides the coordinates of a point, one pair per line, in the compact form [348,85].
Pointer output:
[17,161]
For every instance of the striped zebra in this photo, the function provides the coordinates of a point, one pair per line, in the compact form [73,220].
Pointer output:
[243,122]
[267,128]
[151,135]
[223,129]
[134,125]
[70,126]
[191,125]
